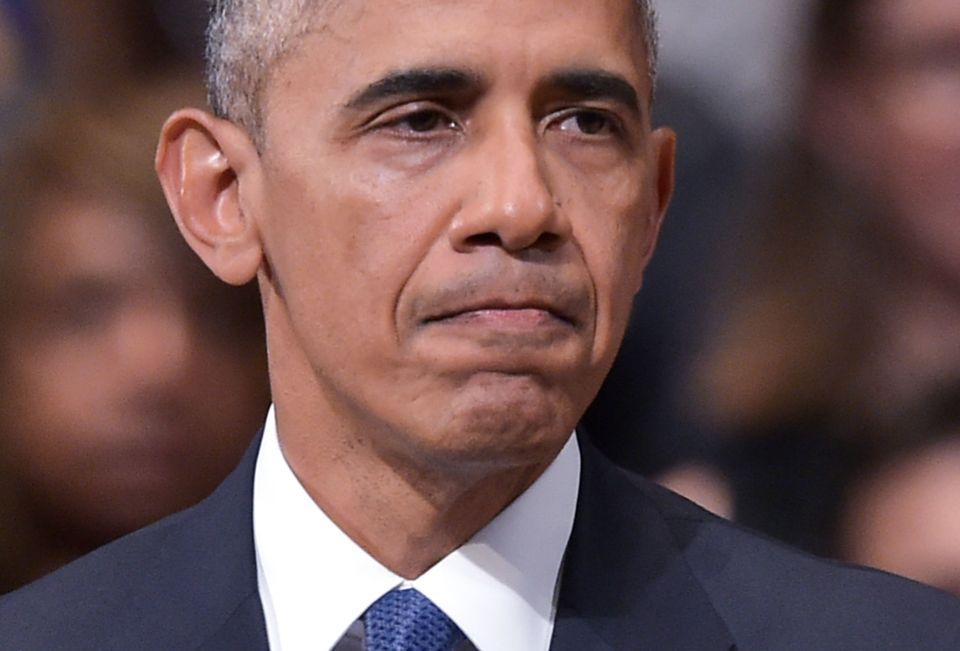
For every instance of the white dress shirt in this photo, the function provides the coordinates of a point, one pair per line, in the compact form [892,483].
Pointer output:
[499,587]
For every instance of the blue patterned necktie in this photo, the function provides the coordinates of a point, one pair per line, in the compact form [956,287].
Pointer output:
[405,620]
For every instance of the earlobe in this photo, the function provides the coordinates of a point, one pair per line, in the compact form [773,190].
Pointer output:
[202,163]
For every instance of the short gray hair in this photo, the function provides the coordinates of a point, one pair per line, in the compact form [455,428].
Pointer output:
[246,38]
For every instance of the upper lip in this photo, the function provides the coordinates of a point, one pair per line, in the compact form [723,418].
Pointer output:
[498,285]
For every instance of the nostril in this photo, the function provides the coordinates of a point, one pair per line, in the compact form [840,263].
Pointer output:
[484,239]
[545,241]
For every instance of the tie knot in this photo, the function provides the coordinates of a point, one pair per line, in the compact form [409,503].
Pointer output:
[405,620]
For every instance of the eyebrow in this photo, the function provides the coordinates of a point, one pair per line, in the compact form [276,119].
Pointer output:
[596,84]
[417,81]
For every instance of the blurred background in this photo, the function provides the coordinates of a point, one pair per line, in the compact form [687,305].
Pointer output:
[793,362]
[131,379]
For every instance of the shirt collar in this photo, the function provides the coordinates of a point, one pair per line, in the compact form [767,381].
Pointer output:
[498,587]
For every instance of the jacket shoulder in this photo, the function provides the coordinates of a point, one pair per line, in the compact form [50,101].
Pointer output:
[167,586]
[773,596]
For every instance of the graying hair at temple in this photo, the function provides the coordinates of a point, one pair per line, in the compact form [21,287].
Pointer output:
[245,38]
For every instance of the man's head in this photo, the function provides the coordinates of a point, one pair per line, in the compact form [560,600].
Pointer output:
[246,39]
[449,217]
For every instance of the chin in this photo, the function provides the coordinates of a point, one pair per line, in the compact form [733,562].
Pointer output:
[519,423]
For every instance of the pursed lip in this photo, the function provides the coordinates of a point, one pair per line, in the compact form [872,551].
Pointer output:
[519,312]
[505,297]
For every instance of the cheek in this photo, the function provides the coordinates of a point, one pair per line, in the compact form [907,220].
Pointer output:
[353,214]
[613,223]
[612,229]
[345,247]
[617,272]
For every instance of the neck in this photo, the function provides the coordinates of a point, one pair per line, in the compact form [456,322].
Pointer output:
[406,514]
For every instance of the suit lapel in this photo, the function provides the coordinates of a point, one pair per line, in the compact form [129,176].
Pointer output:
[244,629]
[625,583]
[227,565]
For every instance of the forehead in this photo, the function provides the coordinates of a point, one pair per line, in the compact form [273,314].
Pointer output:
[464,16]
[359,39]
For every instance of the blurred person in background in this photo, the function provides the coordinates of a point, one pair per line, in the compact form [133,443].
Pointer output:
[843,312]
[901,514]
[87,50]
[95,45]
[132,380]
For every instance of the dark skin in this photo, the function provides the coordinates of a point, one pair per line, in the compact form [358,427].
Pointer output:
[447,234]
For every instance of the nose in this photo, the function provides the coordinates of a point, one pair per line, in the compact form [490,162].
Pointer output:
[510,203]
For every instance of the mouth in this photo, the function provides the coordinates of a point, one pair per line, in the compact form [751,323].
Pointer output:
[500,313]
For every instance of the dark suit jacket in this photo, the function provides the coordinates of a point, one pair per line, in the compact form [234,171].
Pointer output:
[644,569]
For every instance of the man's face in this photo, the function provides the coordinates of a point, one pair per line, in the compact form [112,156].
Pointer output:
[456,205]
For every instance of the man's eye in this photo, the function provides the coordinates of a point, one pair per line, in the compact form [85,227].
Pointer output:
[425,121]
[590,123]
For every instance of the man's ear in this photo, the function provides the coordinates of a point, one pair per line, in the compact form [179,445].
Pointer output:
[664,142]
[202,162]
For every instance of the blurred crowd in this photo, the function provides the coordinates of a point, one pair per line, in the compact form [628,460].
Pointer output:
[793,361]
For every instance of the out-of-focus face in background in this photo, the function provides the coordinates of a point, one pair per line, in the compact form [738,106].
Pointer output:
[901,103]
[903,517]
[133,380]
[129,393]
